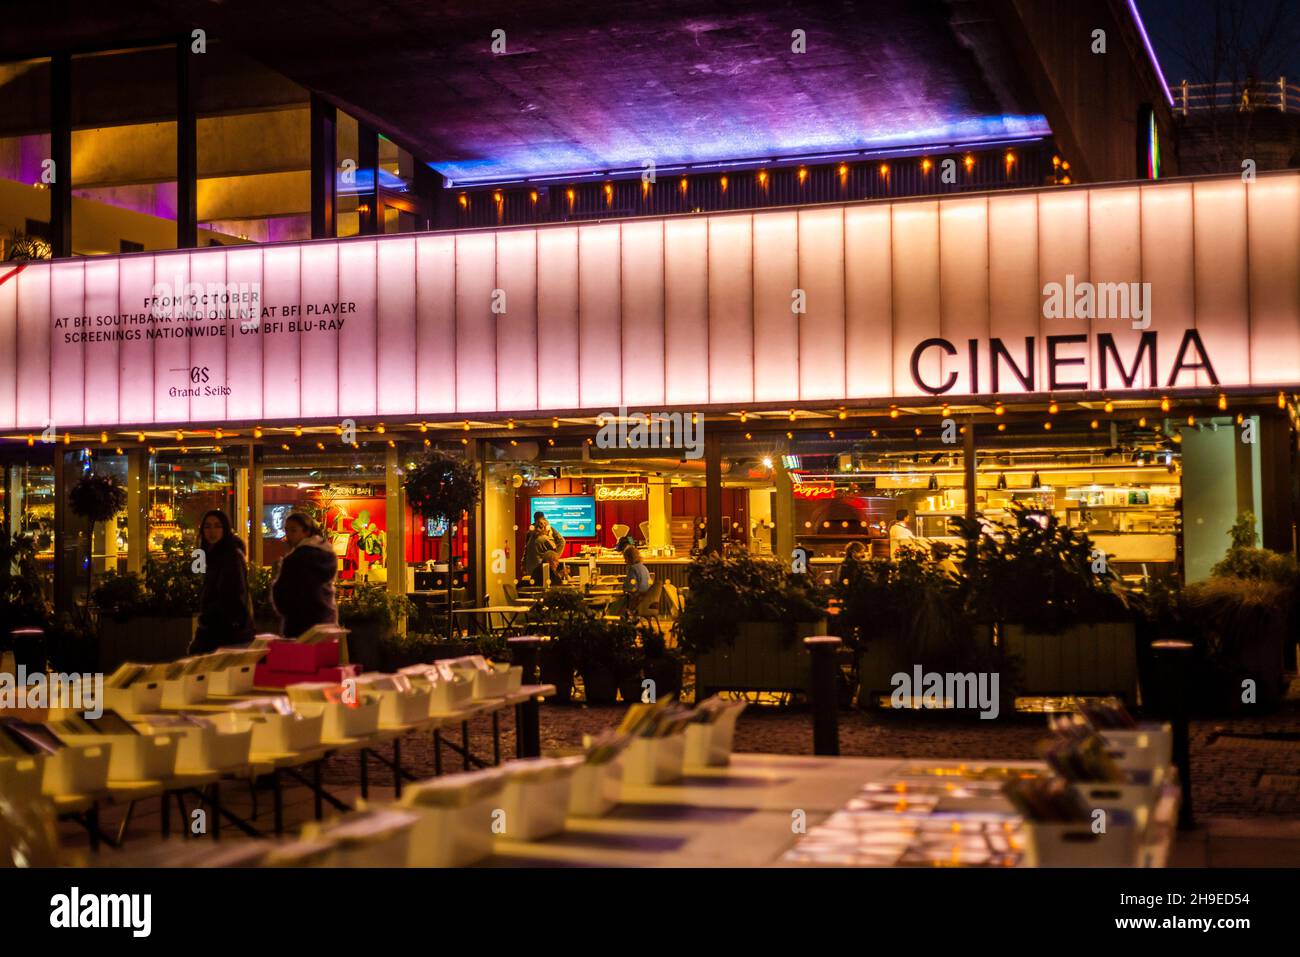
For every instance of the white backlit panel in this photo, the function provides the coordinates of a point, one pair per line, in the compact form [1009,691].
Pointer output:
[683,311]
[600,361]
[821,327]
[776,324]
[868,305]
[516,326]
[1274,289]
[396,327]
[643,313]
[686,311]
[557,318]
[320,347]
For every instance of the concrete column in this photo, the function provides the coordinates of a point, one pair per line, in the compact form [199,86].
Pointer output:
[395,505]
[659,498]
[137,509]
[256,553]
[498,530]
[783,510]
[1211,497]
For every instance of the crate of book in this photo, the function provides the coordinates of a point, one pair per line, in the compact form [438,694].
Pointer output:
[348,712]
[372,837]
[314,656]
[596,783]
[203,745]
[456,815]
[133,756]
[187,689]
[535,799]
[20,772]
[135,688]
[278,727]
[400,702]
[657,749]
[449,689]
[710,734]
[232,672]
[65,768]
[489,680]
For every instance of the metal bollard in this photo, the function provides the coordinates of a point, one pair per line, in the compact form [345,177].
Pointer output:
[528,740]
[824,693]
[1173,660]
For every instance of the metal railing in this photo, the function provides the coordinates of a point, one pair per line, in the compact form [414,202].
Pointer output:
[1233,95]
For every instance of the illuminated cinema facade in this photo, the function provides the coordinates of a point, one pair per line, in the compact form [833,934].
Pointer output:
[847,331]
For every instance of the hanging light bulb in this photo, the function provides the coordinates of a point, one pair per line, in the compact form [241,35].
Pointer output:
[297,430]
[1093,424]
[998,409]
[1109,406]
[1047,426]
[1164,403]
[1053,408]
[1142,422]
[1002,426]
[893,411]
[1281,400]
[1223,401]
[257,431]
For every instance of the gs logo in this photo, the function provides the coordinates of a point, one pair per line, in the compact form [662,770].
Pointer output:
[198,373]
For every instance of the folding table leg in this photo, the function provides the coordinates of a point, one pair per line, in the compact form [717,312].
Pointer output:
[365,775]
[496,737]
[464,741]
[185,815]
[315,777]
[277,799]
[126,820]
[397,769]
[166,815]
[437,752]
[216,810]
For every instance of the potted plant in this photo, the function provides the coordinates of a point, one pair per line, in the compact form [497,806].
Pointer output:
[371,615]
[606,656]
[443,485]
[22,601]
[744,622]
[896,614]
[659,664]
[1246,609]
[561,615]
[152,618]
[1052,601]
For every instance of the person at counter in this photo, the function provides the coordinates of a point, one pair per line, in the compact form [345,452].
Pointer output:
[855,553]
[543,546]
[900,535]
[637,580]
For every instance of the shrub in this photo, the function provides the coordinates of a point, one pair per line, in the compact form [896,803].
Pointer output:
[373,603]
[724,592]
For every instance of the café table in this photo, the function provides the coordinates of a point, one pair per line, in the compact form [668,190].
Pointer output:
[509,616]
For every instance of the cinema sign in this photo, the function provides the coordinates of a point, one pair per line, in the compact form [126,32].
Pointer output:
[901,299]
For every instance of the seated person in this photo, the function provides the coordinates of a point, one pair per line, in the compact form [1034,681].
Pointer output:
[855,553]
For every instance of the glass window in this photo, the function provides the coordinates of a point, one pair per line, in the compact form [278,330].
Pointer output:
[351,181]
[24,154]
[254,152]
[396,167]
[183,486]
[124,151]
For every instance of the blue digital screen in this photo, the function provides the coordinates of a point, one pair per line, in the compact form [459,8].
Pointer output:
[573,516]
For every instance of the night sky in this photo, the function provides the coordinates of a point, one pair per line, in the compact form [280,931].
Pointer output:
[1171,22]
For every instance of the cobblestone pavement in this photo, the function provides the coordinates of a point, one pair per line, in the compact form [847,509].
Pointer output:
[1236,772]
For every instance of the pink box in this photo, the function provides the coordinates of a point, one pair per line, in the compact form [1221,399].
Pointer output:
[288,655]
[267,677]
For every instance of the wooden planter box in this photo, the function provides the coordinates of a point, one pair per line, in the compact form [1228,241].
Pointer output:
[1098,659]
[759,660]
[879,662]
[144,639]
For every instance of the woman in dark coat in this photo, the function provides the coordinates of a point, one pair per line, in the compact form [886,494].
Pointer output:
[303,591]
[225,610]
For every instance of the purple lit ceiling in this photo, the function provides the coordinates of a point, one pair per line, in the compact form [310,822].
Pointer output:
[587,86]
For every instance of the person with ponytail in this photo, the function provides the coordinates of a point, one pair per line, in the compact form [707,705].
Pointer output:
[303,590]
[225,609]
